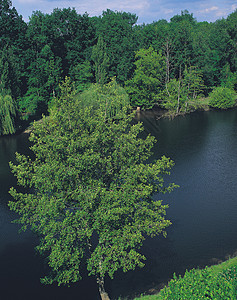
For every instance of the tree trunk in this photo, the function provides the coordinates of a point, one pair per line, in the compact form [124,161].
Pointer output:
[168,47]
[103,294]
[179,87]
[186,105]
[177,111]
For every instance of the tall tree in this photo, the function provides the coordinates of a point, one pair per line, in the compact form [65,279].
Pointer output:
[7,114]
[10,73]
[148,80]
[116,28]
[180,93]
[82,75]
[43,80]
[181,28]
[231,23]
[12,27]
[205,57]
[101,61]
[91,187]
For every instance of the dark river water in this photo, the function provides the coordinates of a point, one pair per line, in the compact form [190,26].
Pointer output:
[203,212]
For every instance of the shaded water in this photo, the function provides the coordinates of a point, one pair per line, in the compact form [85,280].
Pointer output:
[203,211]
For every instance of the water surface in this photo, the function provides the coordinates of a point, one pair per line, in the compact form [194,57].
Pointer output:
[203,211]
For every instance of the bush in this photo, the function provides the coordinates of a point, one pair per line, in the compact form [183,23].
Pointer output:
[222,97]
[201,284]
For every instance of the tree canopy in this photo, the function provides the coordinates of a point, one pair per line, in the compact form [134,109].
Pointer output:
[223,97]
[7,114]
[36,56]
[90,187]
[148,78]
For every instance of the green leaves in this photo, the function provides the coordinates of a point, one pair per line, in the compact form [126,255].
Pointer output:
[180,95]
[202,284]
[7,114]
[148,79]
[101,61]
[222,97]
[116,28]
[90,188]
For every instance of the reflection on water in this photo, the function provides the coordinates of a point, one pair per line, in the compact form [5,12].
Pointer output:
[203,211]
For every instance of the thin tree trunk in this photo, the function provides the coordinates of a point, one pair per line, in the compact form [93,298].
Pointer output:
[177,111]
[168,50]
[167,89]
[103,294]
[167,63]
[186,105]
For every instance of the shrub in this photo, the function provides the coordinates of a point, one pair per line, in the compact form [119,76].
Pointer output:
[222,97]
[200,284]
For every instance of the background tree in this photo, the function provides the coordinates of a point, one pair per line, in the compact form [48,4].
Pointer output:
[148,80]
[222,97]
[10,73]
[91,196]
[222,42]
[231,23]
[101,61]
[82,75]
[181,28]
[44,77]
[229,79]
[180,94]
[192,83]
[116,28]
[173,98]
[204,54]
[12,27]
[7,114]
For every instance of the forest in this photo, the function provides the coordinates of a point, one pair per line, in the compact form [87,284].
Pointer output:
[173,65]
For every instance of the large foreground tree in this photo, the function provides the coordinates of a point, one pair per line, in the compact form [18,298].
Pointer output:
[90,188]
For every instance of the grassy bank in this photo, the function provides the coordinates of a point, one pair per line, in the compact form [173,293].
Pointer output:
[217,282]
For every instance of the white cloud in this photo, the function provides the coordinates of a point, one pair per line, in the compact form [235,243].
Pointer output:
[147,10]
[29,1]
[93,7]
[233,7]
[168,11]
[221,13]
[209,9]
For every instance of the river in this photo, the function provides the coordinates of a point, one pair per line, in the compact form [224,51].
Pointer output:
[203,212]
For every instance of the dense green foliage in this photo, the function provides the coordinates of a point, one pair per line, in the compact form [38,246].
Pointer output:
[180,94]
[217,282]
[90,195]
[148,78]
[101,61]
[36,56]
[223,97]
[7,114]
[201,284]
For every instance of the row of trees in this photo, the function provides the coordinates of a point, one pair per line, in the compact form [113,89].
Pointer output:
[36,56]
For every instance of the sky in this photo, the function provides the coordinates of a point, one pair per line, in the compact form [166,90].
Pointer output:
[146,10]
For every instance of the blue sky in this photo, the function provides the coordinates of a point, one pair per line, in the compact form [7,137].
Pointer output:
[147,10]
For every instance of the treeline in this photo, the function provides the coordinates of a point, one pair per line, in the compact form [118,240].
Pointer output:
[168,63]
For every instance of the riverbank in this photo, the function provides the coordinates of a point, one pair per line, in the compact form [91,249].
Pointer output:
[215,282]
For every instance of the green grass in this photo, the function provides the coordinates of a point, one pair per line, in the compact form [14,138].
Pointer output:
[217,282]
